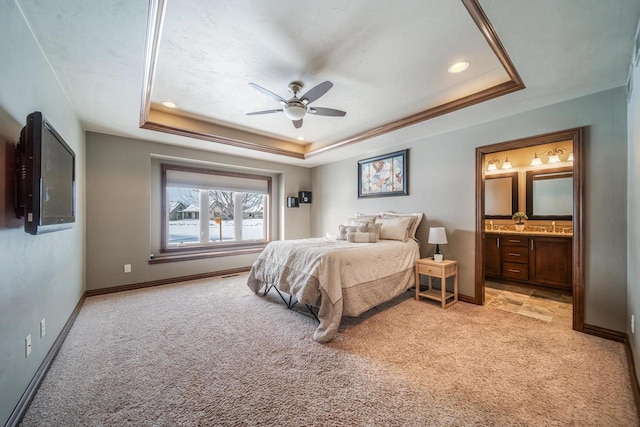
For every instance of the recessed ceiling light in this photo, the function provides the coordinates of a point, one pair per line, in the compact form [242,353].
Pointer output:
[169,104]
[300,138]
[459,67]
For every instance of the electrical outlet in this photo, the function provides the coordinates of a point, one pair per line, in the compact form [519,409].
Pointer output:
[633,324]
[27,346]
[127,268]
[42,330]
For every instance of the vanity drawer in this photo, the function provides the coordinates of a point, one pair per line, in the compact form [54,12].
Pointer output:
[515,271]
[518,254]
[515,241]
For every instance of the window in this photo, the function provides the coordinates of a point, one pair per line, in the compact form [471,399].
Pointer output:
[203,208]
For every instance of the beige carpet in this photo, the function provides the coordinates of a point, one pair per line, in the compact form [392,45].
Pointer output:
[210,352]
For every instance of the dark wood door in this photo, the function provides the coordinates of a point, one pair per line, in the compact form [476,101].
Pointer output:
[492,259]
[550,261]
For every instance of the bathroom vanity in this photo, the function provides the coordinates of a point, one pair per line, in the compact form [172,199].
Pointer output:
[539,258]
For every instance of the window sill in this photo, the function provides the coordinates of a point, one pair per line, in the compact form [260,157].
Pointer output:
[204,255]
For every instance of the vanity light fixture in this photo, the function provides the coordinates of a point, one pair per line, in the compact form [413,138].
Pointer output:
[506,164]
[554,155]
[458,67]
[570,158]
[536,160]
[493,164]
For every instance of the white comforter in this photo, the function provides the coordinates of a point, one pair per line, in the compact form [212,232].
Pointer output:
[338,277]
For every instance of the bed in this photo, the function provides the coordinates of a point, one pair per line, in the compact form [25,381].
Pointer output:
[338,276]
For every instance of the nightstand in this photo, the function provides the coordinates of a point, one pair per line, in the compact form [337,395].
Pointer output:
[442,270]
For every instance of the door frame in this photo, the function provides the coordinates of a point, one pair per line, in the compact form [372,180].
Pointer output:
[575,135]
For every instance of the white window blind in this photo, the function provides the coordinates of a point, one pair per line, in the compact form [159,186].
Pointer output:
[213,181]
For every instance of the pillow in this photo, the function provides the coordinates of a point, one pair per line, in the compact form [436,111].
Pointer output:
[371,228]
[356,221]
[363,227]
[396,228]
[417,215]
[343,230]
[367,217]
[362,237]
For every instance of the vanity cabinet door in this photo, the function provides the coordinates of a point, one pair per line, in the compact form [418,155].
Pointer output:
[492,260]
[550,261]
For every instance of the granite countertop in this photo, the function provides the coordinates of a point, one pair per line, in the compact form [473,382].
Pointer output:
[531,232]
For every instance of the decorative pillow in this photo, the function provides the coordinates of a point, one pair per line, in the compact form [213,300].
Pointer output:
[396,228]
[367,217]
[353,221]
[343,230]
[371,228]
[417,215]
[362,237]
[360,220]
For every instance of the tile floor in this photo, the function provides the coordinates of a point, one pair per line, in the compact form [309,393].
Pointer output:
[547,305]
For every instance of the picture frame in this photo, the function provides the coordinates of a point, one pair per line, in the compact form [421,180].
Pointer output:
[384,175]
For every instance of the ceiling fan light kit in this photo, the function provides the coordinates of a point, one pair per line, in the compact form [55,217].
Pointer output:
[296,108]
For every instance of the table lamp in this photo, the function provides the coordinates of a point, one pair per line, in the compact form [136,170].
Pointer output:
[437,236]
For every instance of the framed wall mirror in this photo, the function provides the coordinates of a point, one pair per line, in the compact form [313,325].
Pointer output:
[500,196]
[550,194]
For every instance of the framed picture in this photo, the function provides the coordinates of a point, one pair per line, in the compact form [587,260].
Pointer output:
[384,175]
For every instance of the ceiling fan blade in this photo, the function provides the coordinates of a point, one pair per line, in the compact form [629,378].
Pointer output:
[269,93]
[255,113]
[297,123]
[319,111]
[316,92]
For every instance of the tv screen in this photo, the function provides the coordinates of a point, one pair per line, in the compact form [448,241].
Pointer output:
[45,178]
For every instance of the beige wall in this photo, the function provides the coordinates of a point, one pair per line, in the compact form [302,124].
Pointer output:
[40,276]
[442,185]
[123,208]
[633,219]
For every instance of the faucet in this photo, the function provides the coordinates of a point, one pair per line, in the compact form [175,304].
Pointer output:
[553,226]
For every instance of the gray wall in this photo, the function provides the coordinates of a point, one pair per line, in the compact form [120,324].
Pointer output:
[123,208]
[40,276]
[633,218]
[442,185]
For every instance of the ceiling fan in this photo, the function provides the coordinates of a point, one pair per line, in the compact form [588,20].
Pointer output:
[296,108]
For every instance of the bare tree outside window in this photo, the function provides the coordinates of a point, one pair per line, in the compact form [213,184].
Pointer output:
[252,204]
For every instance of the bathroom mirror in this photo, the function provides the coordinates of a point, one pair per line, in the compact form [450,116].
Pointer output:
[500,195]
[550,194]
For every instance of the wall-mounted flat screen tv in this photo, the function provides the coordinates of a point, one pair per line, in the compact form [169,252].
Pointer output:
[45,178]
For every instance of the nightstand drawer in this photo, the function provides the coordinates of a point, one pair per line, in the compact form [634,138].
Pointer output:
[515,271]
[515,241]
[518,254]
[429,270]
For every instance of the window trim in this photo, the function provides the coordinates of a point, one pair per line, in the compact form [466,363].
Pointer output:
[228,248]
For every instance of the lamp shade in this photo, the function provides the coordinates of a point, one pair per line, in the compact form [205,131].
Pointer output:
[437,236]
[536,161]
[554,158]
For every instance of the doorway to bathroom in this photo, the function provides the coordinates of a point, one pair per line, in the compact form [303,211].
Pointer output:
[529,219]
